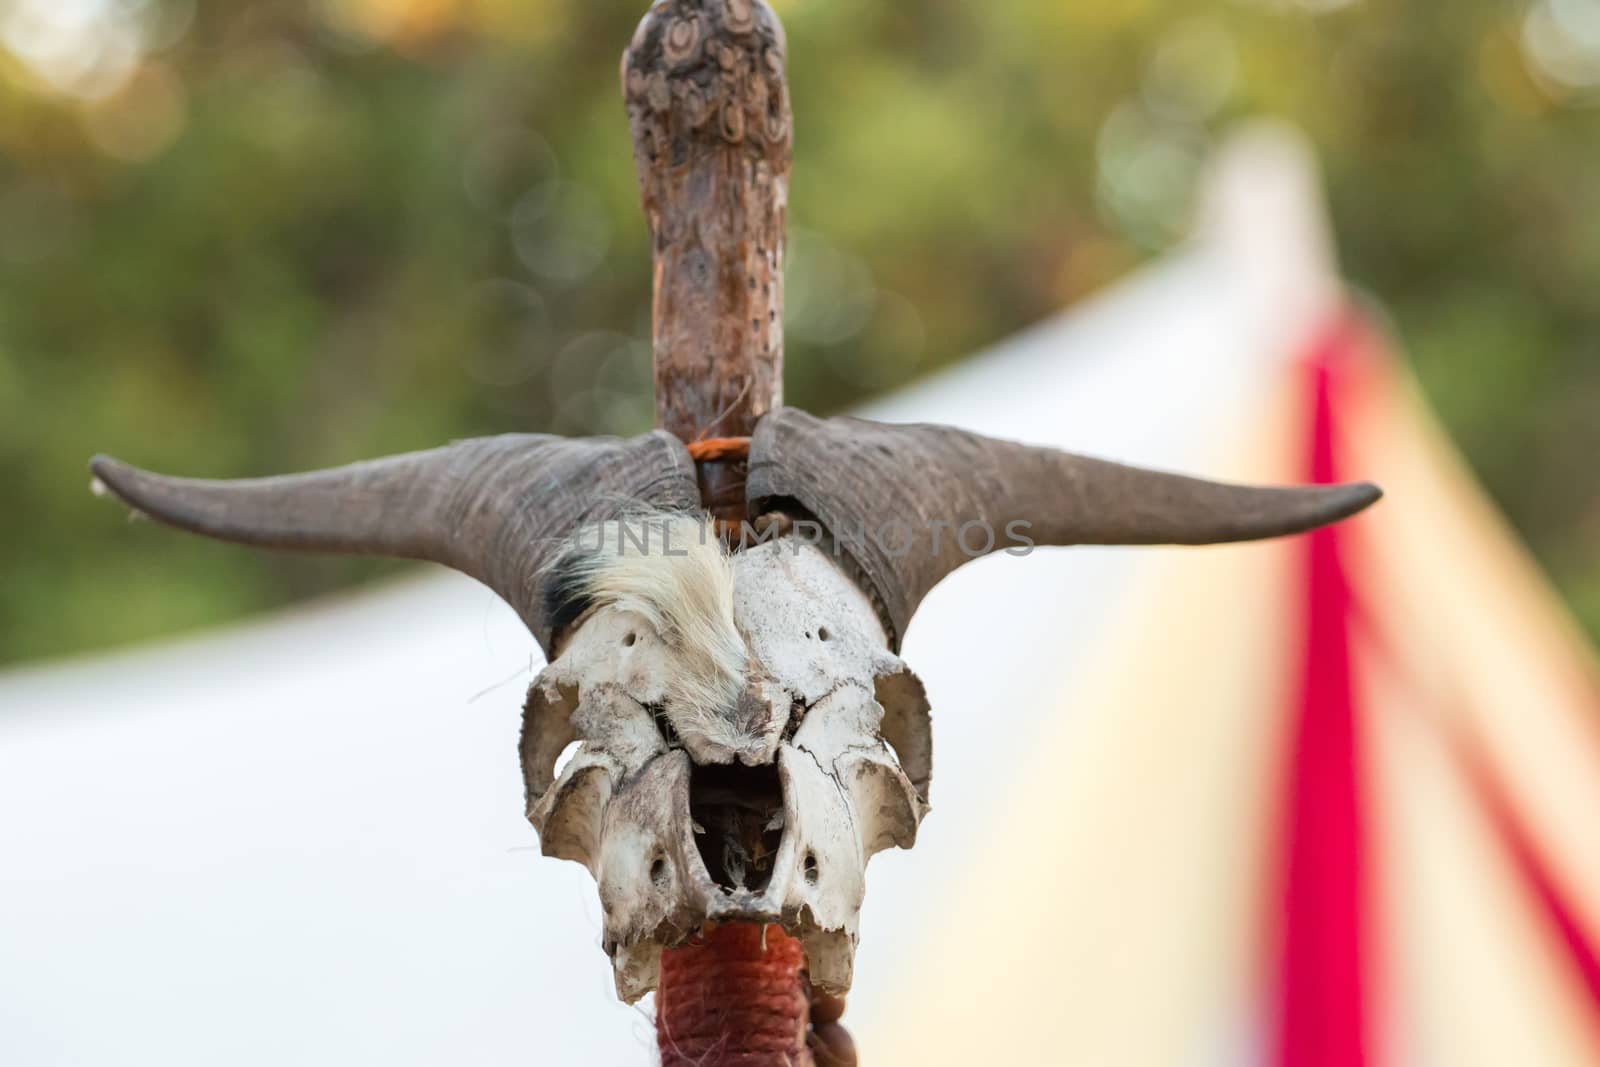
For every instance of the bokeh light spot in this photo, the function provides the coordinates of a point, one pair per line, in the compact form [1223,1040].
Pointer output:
[143,118]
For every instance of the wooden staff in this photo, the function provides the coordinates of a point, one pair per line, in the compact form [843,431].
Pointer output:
[712,137]
[708,103]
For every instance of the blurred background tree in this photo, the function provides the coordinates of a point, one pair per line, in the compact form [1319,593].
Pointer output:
[252,236]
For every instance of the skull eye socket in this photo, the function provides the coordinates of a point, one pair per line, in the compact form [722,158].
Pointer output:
[905,728]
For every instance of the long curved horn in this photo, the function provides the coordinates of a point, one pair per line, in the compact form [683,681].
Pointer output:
[496,508]
[895,499]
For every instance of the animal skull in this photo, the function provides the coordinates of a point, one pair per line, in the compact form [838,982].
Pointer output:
[765,812]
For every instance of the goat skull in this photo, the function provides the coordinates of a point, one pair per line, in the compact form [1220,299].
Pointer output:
[766,810]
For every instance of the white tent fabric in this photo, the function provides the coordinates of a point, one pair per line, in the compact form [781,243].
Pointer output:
[301,840]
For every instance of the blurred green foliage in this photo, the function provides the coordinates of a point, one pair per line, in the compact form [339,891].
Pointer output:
[253,236]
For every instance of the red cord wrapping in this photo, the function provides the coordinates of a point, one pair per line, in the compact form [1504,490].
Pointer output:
[714,448]
[729,1001]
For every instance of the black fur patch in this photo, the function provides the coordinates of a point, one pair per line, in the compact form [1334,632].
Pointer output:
[565,600]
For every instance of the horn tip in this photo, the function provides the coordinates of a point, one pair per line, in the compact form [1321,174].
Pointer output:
[1342,501]
[1359,496]
[108,476]
[102,465]
[112,479]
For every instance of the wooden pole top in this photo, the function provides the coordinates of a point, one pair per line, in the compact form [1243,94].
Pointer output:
[708,103]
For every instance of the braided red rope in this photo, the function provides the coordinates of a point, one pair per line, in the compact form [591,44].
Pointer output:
[737,998]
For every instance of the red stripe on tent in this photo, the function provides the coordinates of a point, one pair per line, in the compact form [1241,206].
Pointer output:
[1537,876]
[1322,1018]
[1512,832]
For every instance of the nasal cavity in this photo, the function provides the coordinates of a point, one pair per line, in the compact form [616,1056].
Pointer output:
[738,814]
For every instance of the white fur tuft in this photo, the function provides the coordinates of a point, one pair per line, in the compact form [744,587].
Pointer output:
[671,568]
